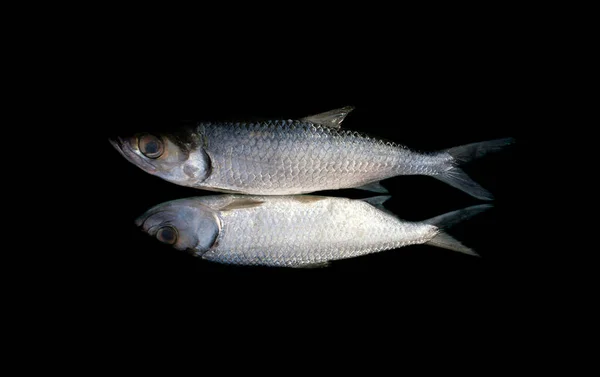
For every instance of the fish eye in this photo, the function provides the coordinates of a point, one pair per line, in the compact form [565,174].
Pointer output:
[151,146]
[167,234]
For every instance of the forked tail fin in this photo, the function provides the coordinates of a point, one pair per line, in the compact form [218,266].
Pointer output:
[455,177]
[447,220]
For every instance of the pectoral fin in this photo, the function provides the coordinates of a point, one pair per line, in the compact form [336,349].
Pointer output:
[308,198]
[239,203]
[333,118]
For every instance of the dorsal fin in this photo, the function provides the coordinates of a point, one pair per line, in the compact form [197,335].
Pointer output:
[377,202]
[332,118]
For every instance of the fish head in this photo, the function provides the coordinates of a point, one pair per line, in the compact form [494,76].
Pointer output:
[177,159]
[185,224]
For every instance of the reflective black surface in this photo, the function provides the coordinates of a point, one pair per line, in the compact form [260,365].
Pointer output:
[421,103]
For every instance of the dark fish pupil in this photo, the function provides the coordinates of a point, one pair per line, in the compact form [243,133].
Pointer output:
[151,147]
[167,234]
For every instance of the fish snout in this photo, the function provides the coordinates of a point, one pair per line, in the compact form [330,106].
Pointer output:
[121,143]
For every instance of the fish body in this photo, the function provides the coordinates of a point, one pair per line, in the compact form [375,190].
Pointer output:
[291,231]
[292,157]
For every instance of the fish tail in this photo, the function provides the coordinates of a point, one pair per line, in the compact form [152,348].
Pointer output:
[447,220]
[453,175]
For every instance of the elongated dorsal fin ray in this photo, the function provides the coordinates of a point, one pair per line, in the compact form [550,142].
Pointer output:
[332,118]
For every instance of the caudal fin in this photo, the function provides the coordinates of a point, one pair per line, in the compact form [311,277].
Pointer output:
[447,220]
[455,177]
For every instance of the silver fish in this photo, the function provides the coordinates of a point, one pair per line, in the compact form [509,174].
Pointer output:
[292,231]
[293,157]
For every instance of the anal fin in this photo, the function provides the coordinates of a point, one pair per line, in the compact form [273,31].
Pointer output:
[314,265]
[373,187]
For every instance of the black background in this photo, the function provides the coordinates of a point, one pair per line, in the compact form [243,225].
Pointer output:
[428,94]
[426,110]
[430,80]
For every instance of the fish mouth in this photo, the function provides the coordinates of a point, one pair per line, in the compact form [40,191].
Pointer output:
[125,148]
